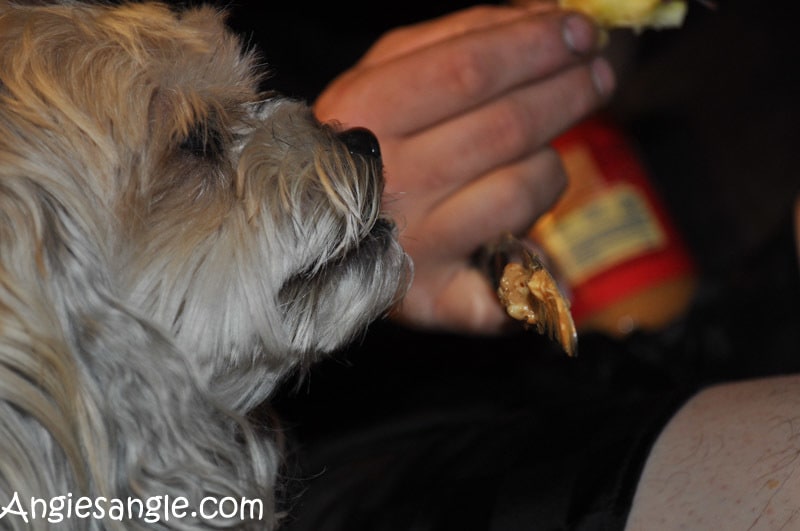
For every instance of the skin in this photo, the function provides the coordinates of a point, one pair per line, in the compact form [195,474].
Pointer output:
[465,107]
[730,459]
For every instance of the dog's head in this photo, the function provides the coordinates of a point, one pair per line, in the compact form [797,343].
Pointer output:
[172,241]
[139,160]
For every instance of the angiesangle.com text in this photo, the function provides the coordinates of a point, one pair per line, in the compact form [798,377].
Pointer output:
[153,509]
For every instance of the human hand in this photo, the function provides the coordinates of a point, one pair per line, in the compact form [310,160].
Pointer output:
[465,107]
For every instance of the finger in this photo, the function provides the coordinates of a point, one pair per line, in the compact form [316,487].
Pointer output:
[509,200]
[407,39]
[464,301]
[441,81]
[497,134]
[452,293]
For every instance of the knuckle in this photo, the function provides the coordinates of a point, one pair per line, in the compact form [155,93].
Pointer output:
[579,102]
[508,132]
[394,37]
[512,197]
[549,182]
[555,180]
[480,14]
[467,73]
[532,187]
[443,175]
[554,168]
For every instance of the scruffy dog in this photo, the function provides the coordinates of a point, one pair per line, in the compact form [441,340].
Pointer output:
[172,242]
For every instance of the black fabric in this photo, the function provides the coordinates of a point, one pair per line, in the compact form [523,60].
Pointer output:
[432,432]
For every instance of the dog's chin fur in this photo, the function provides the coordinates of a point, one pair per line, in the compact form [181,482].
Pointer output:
[172,243]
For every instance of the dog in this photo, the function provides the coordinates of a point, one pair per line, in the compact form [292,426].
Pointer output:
[173,243]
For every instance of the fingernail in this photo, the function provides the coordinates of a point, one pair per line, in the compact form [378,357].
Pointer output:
[602,76]
[579,34]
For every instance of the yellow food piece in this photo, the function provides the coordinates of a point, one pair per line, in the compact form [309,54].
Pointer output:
[530,295]
[636,14]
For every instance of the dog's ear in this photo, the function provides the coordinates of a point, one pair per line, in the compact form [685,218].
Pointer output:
[38,375]
[93,398]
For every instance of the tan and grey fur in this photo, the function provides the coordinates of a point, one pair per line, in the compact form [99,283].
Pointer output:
[172,243]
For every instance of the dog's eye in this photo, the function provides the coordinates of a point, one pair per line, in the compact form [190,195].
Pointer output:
[361,141]
[202,141]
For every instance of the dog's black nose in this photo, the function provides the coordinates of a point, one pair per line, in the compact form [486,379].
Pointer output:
[361,141]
